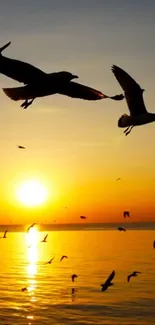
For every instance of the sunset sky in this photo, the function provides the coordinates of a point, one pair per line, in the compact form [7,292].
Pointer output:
[74,147]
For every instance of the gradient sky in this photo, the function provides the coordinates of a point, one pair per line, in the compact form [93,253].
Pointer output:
[74,147]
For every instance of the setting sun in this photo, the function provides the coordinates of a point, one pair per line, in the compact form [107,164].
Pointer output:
[32,193]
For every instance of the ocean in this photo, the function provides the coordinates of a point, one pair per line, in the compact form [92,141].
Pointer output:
[93,252]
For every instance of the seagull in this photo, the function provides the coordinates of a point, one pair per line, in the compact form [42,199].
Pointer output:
[134,98]
[74,276]
[40,84]
[24,289]
[83,217]
[21,147]
[132,274]
[126,214]
[28,229]
[4,236]
[108,282]
[44,240]
[118,179]
[154,244]
[50,261]
[121,229]
[64,256]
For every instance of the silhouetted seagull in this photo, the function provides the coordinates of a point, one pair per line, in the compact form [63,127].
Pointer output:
[40,84]
[134,98]
[28,229]
[83,217]
[121,229]
[126,214]
[44,240]
[21,147]
[154,244]
[4,236]
[64,256]
[108,282]
[135,273]
[73,277]
[50,261]
[24,289]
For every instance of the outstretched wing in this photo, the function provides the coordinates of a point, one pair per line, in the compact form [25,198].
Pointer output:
[45,237]
[110,278]
[21,71]
[133,92]
[76,90]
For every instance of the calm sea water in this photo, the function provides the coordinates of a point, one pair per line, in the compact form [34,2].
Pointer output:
[92,255]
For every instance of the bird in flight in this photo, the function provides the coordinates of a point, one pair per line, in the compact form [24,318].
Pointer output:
[154,244]
[21,147]
[39,84]
[83,217]
[62,257]
[33,224]
[121,229]
[134,98]
[24,289]
[44,240]
[118,179]
[135,273]
[73,277]
[4,236]
[126,214]
[50,261]
[108,282]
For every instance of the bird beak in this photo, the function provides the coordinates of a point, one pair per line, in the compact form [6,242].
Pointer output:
[75,77]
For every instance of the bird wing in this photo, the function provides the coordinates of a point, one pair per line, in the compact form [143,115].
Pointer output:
[133,92]
[129,276]
[45,237]
[76,90]
[5,233]
[110,278]
[21,71]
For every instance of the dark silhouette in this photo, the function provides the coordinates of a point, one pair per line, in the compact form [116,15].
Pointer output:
[135,273]
[134,98]
[44,240]
[4,236]
[73,277]
[24,289]
[154,244]
[40,84]
[126,214]
[64,256]
[83,217]
[108,282]
[118,179]
[21,147]
[50,261]
[121,229]
[28,229]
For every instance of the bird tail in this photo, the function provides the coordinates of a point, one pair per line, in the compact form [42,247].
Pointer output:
[116,97]
[4,47]
[18,93]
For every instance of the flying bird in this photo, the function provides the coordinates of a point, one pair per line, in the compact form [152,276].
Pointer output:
[50,261]
[21,147]
[118,179]
[134,97]
[108,282]
[64,256]
[126,214]
[154,244]
[121,229]
[74,276]
[28,229]
[24,289]
[41,84]
[44,240]
[4,236]
[135,273]
[83,217]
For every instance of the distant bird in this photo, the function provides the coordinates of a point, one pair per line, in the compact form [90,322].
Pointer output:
[74,276]
[134,98]
[118,179]
[135,273]
[4,236]
[154,244]
[121,229]
[64,256]
[24,289]
[50,261]
[28,229]
[21,147]
[83,217]
[40,84]
[44,240]
[108,282]
[126,214]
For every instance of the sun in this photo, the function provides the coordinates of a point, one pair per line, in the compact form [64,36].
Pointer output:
[32,193]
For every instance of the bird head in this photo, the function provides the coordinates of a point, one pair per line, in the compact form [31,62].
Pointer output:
[124,121]
[67,76]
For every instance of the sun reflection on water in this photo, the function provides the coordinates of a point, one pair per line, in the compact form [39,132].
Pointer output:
[32,239]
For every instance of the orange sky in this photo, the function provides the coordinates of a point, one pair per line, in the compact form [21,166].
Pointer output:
[75,147]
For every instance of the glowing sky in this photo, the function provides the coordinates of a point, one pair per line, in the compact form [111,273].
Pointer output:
[75,147]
